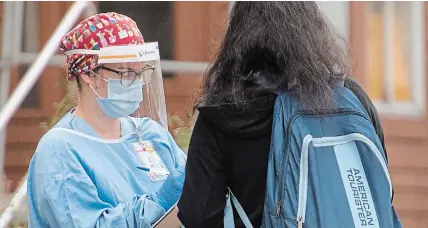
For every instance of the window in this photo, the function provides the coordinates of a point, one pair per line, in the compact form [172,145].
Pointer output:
[30,42]
[154,19]
[394,54]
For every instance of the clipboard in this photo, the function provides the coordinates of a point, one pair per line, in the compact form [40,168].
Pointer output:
[169,219]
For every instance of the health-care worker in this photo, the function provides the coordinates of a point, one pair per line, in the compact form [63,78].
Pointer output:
[99,167]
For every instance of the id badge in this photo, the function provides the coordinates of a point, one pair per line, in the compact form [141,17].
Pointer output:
[149,158]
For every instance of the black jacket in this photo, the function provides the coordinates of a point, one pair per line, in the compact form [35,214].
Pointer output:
[231,148]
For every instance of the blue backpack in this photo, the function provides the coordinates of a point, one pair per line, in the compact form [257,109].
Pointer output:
[326,169]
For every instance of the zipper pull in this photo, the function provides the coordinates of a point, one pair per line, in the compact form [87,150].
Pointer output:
[278,208]
[300,222]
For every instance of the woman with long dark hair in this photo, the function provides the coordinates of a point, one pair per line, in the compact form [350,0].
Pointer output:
[269,47]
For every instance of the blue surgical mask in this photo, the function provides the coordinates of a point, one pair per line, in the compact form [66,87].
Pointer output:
[121,100]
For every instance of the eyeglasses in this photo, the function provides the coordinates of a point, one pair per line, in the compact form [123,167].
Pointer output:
[128,77]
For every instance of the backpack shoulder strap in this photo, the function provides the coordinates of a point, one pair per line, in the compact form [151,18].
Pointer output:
[228,217]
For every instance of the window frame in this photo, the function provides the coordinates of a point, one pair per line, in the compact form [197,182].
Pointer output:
[29,43]
[17,70]
[416,107]
[394,125]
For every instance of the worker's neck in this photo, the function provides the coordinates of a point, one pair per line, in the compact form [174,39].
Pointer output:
[106,127]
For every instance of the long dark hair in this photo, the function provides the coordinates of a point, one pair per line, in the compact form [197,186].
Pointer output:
[276,45]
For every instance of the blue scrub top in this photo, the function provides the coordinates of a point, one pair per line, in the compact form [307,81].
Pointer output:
[77,179]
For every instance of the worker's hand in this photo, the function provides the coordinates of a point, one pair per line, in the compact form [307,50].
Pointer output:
[170,191]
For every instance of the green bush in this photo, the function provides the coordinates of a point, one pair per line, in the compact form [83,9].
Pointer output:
[17,224]
[64,105]
[181,130]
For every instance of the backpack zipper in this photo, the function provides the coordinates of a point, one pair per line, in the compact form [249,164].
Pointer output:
[278,208]
[343,111]
[280,190]
[300,222]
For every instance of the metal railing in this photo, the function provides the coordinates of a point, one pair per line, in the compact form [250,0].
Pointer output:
[26,84]
[11,54]
[36,69]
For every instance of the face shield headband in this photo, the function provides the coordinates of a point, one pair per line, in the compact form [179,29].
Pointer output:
[151,81]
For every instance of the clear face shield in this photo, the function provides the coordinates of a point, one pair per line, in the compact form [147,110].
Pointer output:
[153,104]
[133,82]
[138,67]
